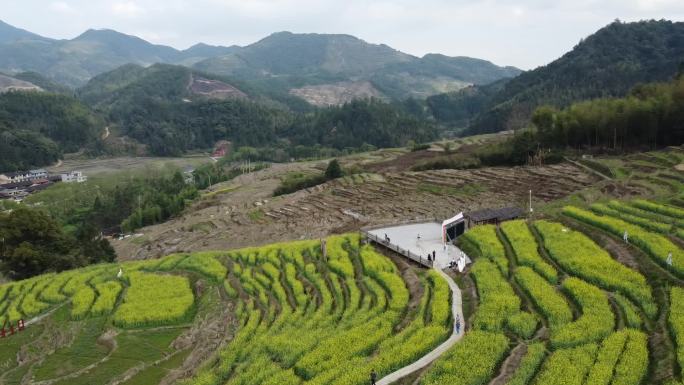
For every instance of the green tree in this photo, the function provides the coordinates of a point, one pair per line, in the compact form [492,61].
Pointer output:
[33,243]
[334,170]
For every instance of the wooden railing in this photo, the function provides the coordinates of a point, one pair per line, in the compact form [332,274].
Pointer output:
[406,253]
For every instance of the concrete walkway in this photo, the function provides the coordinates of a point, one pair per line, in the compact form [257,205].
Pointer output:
[457,311]
[42,316]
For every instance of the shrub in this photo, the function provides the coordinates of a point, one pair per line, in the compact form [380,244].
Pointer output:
[294,182]
[333,171]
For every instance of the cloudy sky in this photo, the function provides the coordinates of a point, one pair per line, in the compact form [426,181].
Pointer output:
[524,33]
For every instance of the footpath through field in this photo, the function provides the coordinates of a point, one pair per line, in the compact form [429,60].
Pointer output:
[457,312]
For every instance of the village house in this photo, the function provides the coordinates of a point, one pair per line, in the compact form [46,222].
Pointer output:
[38,174]
[18,194]
[23,176]
[74,176]
[14,177]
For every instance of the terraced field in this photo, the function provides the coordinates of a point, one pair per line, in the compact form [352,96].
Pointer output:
[550,303]
[280,314]
[559,298]
[599,310]
[238,217]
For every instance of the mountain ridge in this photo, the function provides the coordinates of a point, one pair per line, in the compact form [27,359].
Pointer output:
[607,63]
[297,59]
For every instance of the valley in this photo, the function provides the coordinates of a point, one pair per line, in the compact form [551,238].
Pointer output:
[317,209]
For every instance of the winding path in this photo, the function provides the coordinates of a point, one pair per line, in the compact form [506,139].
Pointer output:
[42,316]
[457,311]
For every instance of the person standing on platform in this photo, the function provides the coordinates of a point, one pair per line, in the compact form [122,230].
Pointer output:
[373,377]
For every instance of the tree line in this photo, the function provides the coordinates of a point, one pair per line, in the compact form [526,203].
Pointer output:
[651,116]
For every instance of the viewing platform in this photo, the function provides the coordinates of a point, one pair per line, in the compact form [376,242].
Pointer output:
[415,241]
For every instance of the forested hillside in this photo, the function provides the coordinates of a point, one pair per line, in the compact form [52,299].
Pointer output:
[651,116]
[607,63]
[36,128]
[157,107]
[285,61]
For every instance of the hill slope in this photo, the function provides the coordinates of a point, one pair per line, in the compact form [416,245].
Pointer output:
[73,62]
[296,59]
[36,128]
[292,61]
[607,63]
[8,83]
[173,109]
[9,33]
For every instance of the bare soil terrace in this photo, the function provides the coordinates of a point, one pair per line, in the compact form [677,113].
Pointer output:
[244,213]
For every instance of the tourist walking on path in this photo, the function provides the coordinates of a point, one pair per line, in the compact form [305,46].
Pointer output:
[625,237]
[373,376]
[458,324]
[669,259]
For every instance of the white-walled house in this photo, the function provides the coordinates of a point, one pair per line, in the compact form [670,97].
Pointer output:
[74,176]
[14,177]
[38,174]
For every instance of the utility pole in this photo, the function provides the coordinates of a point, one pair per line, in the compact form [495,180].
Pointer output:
[531,209]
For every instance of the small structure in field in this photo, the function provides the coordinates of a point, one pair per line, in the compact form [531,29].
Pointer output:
[221,149]
[427,243]
[493,216]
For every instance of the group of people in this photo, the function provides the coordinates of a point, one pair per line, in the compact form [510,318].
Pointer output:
[432,256]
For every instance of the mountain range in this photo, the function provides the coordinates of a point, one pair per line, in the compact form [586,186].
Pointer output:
[339,67]
[266,94]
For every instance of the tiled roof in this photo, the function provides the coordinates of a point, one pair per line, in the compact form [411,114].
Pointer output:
[501,214]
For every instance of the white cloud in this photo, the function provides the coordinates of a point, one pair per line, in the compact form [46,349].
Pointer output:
[127,9]
[61,7]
